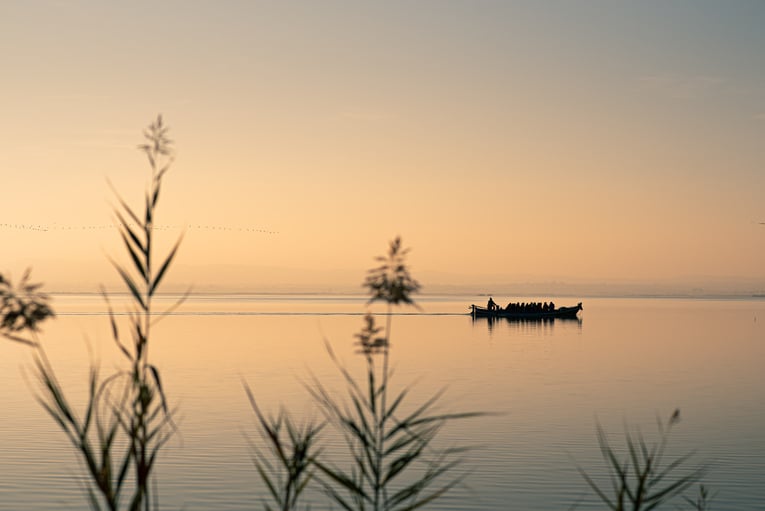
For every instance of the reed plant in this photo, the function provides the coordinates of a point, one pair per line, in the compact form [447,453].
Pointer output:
[394,461]
[703,500]
[641,480]
[286,461]
[22,309]
[126,419]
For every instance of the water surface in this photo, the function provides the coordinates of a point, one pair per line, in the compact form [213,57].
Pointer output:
[547,384]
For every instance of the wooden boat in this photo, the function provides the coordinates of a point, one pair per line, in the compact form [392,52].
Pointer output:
[561,312]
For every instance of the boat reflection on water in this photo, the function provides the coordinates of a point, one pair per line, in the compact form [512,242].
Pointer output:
[526,324]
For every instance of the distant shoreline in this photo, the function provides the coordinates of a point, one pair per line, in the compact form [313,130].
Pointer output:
[435,295]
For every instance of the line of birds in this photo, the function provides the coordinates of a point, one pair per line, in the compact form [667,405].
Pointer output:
[56,227]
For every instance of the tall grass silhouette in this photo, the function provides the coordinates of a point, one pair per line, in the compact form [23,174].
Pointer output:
[126,419]
[393,461]
[285,461]
[640,479]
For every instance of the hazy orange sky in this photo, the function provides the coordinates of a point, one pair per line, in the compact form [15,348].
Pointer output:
[506,142]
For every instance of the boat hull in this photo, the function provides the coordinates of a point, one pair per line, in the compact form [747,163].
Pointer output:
[562,312]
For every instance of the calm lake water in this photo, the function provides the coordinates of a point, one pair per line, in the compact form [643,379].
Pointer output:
[626,361]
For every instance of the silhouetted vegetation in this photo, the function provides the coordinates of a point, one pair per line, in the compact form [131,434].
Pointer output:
[392,462]
[640,480]
[288,463]
[126,419]
[703,501]
[22,309]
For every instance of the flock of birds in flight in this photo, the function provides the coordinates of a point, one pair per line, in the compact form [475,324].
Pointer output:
[58,227]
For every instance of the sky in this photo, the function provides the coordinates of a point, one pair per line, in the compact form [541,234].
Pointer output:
[513,145]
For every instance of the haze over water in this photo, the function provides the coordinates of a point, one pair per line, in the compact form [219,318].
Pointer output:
[626,360]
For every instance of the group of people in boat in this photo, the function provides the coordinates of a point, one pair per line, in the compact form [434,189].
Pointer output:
[522,307]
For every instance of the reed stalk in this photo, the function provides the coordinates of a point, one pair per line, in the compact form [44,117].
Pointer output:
[126,420]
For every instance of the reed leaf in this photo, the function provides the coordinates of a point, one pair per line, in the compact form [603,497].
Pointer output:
[401,442]
[93,500]
[127,209]
[158,381]
[343,480]
[115,328]
[19,339]
[173,307]
[266,479]
[155,194]
[149,213]
[124,229]
[131,286]
[164,267]
[161,173]
[93,383]
[136,260]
